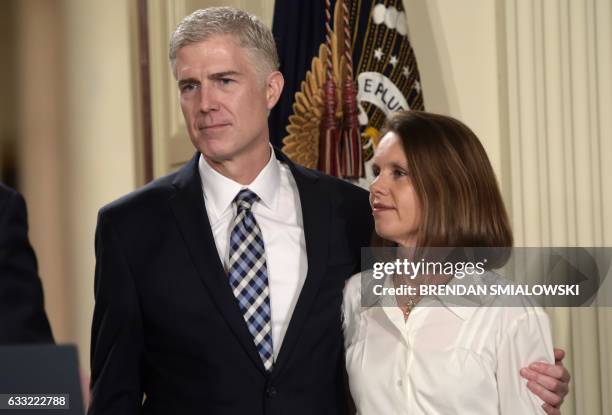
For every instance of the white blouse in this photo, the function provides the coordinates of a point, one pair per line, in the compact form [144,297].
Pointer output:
[443,359]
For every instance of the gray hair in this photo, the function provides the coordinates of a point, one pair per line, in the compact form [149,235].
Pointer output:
[250,32]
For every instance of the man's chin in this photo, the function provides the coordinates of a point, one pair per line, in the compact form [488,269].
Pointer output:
[216,157]
[213,149]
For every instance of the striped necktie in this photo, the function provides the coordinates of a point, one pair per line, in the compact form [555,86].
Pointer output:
[248,275]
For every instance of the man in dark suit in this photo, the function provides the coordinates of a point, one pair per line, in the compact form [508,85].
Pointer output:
[218,288]
[22,312]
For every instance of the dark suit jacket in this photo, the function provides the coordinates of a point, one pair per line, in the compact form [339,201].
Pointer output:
[167,325]
[22,311]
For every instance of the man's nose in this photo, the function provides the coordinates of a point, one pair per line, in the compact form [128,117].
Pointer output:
[208,100]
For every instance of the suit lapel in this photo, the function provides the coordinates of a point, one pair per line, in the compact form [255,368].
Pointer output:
[190,213]
[316,212]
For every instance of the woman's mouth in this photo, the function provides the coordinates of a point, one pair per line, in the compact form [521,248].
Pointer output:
[380,207]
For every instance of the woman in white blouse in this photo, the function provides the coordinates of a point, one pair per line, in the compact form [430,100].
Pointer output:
[434,187]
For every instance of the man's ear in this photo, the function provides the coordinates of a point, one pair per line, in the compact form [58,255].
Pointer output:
[274,87]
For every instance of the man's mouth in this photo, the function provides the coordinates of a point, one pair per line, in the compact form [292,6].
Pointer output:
[212,127]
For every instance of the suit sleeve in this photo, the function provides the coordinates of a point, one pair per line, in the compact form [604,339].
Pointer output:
[22,313]
[117,334]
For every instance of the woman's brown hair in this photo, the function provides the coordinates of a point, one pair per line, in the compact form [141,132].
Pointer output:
[460,200]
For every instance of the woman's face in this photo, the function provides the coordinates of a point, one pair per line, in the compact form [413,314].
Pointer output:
[395,205]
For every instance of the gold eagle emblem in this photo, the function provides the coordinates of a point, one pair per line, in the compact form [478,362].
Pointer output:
[302,142]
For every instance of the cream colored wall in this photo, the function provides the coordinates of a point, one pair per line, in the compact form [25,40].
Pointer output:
[100,136]
[78,140]
[41,110]
[456,47]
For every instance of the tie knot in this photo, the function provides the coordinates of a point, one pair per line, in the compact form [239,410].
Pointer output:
[245,199]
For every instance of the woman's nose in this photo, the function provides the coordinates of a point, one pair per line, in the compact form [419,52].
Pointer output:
[378,185]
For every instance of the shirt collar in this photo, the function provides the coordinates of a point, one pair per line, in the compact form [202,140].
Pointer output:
[464,311]
[220,191]
[468,305]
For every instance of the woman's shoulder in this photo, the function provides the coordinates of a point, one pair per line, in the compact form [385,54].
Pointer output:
[513,318]
[499,310]
[353,282]
[360,293]
[352,307]
[352,292]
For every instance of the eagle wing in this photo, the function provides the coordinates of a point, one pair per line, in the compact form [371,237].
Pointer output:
[302,142]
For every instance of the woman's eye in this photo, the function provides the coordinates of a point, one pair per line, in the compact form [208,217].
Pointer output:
[399,173]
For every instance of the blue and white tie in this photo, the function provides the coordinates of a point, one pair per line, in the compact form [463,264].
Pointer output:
[248,275]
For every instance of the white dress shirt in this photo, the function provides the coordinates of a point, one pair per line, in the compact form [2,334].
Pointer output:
[279,215]
[442,359]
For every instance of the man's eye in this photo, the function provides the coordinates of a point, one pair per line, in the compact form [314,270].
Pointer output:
[226,81]
[188,87]
[375,172]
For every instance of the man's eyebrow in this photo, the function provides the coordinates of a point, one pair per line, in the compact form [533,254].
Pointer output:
[187,81]
[214,76]
[224,74]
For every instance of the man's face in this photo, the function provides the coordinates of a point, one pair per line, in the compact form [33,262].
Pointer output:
[225,101]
